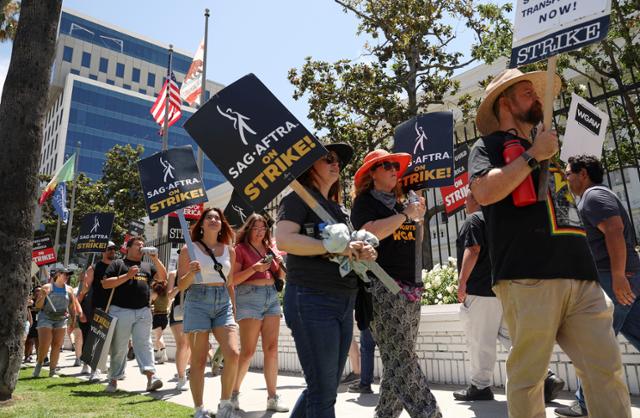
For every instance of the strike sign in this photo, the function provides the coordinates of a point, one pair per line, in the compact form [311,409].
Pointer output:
[95,231]
[429,140]
[171,181]
[454,196]
[42,252]
[259,146]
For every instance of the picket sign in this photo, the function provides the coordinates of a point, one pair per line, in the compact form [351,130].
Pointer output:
[187,239]
[313,204]
[547,108]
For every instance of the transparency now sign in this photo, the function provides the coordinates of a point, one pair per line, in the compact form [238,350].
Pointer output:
[544,28]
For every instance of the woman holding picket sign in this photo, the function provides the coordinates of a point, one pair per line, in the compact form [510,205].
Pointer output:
[318,301]
[378,208]
[208,305]
[257,268]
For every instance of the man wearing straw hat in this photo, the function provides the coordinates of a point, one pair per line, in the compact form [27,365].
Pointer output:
[542,270]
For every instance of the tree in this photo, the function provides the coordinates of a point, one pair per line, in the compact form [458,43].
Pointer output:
[9,10]
[22,111]
[118,191]
[410,67]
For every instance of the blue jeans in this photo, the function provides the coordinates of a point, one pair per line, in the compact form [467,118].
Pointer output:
[322,327]
[367,353]
[134,324]
[626,319]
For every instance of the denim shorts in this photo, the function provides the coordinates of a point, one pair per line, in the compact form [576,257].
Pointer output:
[45,322]
[206,308]
[256,302]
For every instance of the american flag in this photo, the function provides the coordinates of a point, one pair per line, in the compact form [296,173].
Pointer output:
[158,108]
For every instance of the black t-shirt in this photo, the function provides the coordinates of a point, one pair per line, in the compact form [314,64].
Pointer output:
[545,240]
[397,252]
[135,293]
[317,272]
[596,205]
[472,233]
[97,296]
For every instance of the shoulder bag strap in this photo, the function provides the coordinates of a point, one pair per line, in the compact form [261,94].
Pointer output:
[216,263]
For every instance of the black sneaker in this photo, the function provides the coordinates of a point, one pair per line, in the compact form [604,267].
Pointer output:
[573,411]
[350,378]
[130,354]
[358,387]
[472,393]
[552,386]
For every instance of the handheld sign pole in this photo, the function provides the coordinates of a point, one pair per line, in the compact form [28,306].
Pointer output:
[547,107]
[310,201]
[187,239]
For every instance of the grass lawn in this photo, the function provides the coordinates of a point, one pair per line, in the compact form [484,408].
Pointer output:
[72,397]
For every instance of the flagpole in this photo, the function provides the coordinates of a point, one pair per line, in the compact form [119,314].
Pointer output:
[67,246]
[165,130]
[204,84]
[56,242]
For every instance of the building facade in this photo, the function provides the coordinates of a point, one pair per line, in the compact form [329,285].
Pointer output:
[104,81]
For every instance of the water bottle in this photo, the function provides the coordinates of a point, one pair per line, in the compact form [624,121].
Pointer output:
[525,193]
[412,197]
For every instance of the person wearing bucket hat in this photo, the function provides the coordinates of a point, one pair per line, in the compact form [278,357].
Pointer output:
[318,301]
[378,207]
[542,270]
[56,299]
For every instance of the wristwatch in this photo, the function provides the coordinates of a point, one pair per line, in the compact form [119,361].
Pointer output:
[532,162]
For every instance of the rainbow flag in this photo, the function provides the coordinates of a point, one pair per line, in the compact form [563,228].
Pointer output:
[64,174]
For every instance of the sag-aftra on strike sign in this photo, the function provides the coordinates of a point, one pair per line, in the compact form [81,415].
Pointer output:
[543,28]
[257,144]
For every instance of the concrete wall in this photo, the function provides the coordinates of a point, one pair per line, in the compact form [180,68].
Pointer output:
[442,351]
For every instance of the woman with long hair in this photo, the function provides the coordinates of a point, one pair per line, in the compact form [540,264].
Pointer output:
[55,300]
[257,305]
[379,209]
[208,305]
[183,350]
[318,301]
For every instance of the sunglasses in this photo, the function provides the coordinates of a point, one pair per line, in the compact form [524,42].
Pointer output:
[387,165]
[331,158]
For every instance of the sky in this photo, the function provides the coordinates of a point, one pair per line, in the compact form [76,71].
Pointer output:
[263,37]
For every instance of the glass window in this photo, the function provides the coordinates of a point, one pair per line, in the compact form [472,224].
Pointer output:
[119,69]
[135,75]
[104,65]
[110,82]
[74,71]
[93,76]
[126,86]
[67,54]
[143,91]
[86,59]
[151,80]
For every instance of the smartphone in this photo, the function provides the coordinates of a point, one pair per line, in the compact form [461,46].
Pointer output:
[267,258]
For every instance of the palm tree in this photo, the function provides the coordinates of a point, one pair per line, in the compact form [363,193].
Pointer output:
[22,111]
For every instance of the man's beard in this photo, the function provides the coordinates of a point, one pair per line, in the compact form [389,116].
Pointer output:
[534,115]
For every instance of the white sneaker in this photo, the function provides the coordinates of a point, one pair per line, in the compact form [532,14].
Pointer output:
[163,356]
[273,404]
[203,413]
[225,411]
[182,384]
[95,376]
[235,401]
[85,369]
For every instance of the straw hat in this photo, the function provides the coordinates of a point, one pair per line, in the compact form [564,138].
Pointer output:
[380,155]
[485,118]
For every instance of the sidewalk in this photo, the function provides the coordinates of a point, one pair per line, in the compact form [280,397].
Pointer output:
[349,405]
